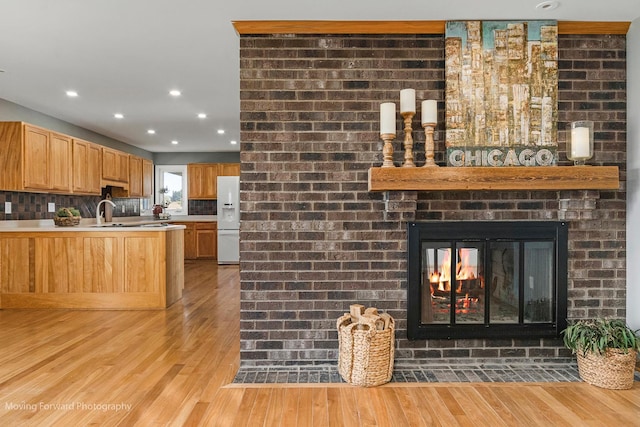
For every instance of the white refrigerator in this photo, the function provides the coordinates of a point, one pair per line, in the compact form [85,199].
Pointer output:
[228,219]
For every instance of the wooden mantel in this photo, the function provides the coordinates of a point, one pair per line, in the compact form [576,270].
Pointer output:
[494,178]
[401,27]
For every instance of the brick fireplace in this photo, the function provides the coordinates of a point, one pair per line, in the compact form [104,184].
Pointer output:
[313,238]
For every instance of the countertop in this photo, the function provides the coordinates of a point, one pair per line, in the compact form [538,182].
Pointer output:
[132,223]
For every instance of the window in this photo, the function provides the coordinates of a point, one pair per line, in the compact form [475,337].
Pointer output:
[171,185]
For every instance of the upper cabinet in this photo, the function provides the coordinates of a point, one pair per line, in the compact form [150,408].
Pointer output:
[34,159]
[135,176]
[147,178]
[203,178]
[228,169]
[60,162]
[140,177]
[39,160]
[115,167]
[87,167]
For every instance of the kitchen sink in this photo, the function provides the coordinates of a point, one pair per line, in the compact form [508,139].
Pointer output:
[135,224]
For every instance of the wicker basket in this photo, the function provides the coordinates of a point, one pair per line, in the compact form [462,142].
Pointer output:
[366,349]
[613,370]
[66,221]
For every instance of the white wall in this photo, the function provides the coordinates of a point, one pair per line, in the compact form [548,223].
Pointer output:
[633,175]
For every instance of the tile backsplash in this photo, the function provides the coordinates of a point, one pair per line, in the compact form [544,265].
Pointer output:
[203,207]
[35,205]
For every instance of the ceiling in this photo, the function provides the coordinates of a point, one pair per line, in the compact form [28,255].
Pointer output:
[124,56]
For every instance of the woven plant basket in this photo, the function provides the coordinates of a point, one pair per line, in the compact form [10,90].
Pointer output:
[366,352]
[613,370]
[66,221]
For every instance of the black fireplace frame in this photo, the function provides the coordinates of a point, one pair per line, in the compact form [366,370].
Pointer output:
[473,231]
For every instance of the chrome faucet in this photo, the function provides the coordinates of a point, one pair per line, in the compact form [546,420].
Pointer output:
[98,219]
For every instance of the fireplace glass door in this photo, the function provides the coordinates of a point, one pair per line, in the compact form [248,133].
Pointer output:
[486,279]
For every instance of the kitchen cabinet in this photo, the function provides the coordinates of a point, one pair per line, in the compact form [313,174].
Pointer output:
[202,180]
[91,269]
[60,149]
[189,239]
[115,167]
[200,240]
[87,167]
[34,159]
[147,178]
[206,240]
[36,154]
[228,169]
[135,176]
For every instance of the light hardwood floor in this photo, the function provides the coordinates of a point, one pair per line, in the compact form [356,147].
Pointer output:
[174,367]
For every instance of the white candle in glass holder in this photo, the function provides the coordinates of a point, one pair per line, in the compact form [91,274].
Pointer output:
[429,111]
[408,101]
[387,118]
[580,143]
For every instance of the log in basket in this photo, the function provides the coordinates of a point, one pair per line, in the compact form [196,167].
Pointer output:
[366,346]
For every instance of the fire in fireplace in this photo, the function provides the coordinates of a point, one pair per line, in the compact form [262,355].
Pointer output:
[486,279]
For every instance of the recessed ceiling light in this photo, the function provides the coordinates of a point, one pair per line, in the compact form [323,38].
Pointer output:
[202,116]
[151,131]
[72,93]
[220,131]
[548,5]
[234,142]
[118,116]
[175,92]
[174,142]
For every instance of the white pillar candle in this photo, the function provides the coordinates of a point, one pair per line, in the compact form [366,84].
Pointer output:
[429,111]
[387,118]
[580,143]
[408,101]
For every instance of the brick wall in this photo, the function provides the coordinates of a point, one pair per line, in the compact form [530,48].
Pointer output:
[314,240]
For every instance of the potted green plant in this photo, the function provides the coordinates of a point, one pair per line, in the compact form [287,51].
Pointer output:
[66,217]
[606,350]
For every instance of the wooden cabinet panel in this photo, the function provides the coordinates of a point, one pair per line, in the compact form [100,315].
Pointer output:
[190,246]
[104,270]
[80,155]
[200,240]
[123,169]
[35,161]
[107,276]
[14,270]
[202,180]
[207,240]
[140,257]
[147,178]
[87,167]
[194,180]
[60,162]
[95,169]
[115,166]
[135,176]
[47,160]
[229,169]
[59,265]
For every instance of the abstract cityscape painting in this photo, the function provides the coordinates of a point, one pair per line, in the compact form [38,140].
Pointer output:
[501,93]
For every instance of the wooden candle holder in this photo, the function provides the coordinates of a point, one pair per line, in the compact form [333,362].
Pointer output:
[408,140]
[429,145]
[387,150]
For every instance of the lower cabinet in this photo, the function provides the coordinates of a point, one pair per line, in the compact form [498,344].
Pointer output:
[91,270]
[207,240]
[200,240]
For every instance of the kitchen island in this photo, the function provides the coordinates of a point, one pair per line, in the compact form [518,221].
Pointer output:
[130,266]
